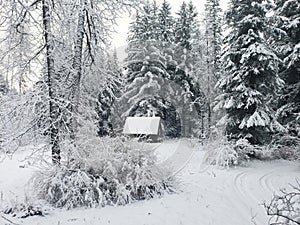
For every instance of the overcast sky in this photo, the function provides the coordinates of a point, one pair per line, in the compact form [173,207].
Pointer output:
[119,38]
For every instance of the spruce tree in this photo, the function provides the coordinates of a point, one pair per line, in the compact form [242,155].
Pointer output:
[186,26]
[107,96]
[213,44]
[251,73]
[288,19]
[165,23]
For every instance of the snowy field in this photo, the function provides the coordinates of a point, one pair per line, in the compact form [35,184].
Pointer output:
[206,194]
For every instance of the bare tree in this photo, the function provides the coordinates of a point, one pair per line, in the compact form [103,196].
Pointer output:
[284,209]
[67,39]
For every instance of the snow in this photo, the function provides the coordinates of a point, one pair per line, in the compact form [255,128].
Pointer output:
[141,125]
[165,151]
[206,194]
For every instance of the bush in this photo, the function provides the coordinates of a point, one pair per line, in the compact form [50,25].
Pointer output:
[112,172]
[220,152]
[286,147]
[224,156]
[246,150]
[24,208]
[223,153]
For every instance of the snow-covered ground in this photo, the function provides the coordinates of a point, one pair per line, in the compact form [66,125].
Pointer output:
[207,195]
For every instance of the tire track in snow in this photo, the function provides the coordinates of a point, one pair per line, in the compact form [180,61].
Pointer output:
[265,181]
[244,184]
[181,157]
[238,185]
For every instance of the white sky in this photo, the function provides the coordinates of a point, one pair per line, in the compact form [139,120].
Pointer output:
[119,38]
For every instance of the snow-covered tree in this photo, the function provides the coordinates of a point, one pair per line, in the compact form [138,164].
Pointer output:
[183,31]
[108,94]
[145,80]
[213,22]
[251,73]
[66,40]
[288,19]
[165,23]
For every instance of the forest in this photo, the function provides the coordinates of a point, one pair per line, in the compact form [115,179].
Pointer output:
[227,81]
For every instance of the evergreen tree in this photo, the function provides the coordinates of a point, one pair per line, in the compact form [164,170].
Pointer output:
[165,23]
[213,22]
[251,76]
[185,30]
[213,44]
[142,29]
[185,26]
[147,80]
[107,96]
[146,93]
[288,19]
[157,75]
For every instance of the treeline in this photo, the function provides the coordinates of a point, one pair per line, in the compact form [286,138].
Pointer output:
[179,67]
[177,64]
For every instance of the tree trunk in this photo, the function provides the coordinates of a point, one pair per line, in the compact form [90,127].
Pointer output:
[53,107]
[77,67]
[208,88]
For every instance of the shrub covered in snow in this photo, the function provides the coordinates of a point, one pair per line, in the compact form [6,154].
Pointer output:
[24,209]
[286,147]
[246,150]
[226,153]
[220,152]
[104,172]
[221,155]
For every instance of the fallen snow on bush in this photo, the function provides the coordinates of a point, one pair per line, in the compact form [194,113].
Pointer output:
[110,171]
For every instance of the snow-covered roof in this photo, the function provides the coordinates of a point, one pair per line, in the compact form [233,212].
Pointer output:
[142,125]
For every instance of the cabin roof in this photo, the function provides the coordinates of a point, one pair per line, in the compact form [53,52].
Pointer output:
[142,125]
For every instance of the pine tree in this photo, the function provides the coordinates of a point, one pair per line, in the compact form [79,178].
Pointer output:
[146,92]
[186,26]
[165,23]
[213,44]
[251,77]
[107,96]
[213,22]
[288,19]
[147,80]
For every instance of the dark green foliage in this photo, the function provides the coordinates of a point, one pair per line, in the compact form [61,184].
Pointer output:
[184,25]
[251,78]
[165,23]
[288,45]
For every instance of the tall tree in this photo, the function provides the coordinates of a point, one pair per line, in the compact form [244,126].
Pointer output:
[53,108]
[165,23]
[288,19]
[213,22]
[186,25]
[251,73]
